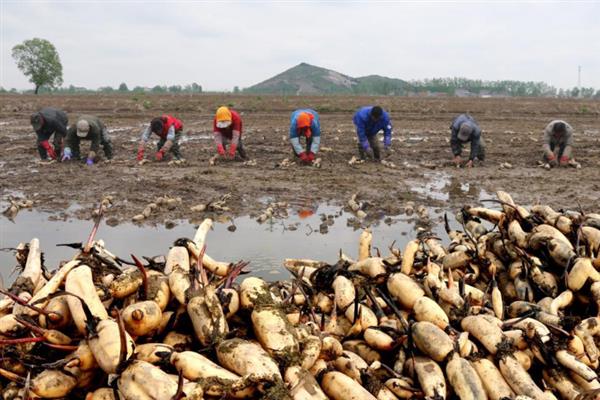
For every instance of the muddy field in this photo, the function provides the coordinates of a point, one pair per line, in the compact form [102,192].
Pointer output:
[421,154]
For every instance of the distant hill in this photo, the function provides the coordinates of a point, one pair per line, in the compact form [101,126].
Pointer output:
[309,79]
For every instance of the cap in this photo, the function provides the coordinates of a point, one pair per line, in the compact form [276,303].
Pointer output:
[83,128]
[464,133]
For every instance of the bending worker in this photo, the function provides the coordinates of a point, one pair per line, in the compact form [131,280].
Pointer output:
[369,121]
[305,124]
[45,123]
[168,129]
[227,130]
[90,128]
[558,143]
[464,130]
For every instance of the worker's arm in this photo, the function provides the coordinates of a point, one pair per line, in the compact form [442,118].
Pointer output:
[69,143]
[218,136]
[475,143]
[95,145]
[294,138]
[170,139]
[547,138]
[455,144]
[387,133]
[316,137]
[361,131]
[143,140]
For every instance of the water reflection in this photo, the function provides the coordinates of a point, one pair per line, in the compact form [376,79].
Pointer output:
[319,236]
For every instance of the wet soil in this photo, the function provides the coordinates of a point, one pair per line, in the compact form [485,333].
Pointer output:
[421,154]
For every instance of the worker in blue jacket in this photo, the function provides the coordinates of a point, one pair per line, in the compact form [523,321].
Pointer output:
[369,121]
[305,124]
[465,129]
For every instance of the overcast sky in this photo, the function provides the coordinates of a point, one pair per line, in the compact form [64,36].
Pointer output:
[220,45]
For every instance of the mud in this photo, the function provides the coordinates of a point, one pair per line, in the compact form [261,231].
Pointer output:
[421,154]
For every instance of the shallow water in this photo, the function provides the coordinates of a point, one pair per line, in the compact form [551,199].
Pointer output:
[445,187]
[265,245]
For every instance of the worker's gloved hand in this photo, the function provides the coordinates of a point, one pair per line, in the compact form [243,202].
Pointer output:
[140,154]
[387,142]
[220,149]
[232,150]
[469,164]
[89,161]
[310,156]
[552,160]
[160,155]
[457,160]
[48,149]
[303,156]
[564,161]
[67,154]
[365,145]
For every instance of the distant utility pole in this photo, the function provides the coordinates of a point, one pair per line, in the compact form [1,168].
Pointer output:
[579,80]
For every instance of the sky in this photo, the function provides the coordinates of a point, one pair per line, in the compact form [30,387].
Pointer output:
[225,44]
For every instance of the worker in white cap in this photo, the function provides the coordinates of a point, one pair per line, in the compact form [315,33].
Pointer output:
[464,130]
[88,127]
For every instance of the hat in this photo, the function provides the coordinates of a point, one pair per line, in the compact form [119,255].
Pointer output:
[304,120]
[223,117]
[37,121]
[464,133]
[83,128]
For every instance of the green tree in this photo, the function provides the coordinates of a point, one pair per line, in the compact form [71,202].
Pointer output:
[123,87]
[38,60]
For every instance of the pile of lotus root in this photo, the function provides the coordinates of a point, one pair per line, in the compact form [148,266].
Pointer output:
[507,310]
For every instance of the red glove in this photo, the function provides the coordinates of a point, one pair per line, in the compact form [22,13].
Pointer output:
[232,150]
[48,149]
[564,160]
[311,156]
[159,155]
[220,149]
[551,157]
[303,156]
[140,154]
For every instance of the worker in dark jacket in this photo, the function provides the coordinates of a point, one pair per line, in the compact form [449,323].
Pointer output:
[558,143]
[168,129]
[369,121]
[88,127]
[305,124]
[227,131]
[464,130]
[45,123]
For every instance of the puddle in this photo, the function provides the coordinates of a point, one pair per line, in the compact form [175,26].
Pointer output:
[265,245]
[448,188]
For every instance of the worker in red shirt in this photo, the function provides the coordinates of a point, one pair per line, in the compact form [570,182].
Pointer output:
[169,130]
[227,129]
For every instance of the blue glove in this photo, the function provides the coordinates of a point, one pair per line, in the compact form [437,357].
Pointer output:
[67,154]
[365,145]
[89,161]
[387,142]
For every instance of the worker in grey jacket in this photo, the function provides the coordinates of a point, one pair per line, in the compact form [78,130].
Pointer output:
[464,130]
[88,127]
[558,143]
